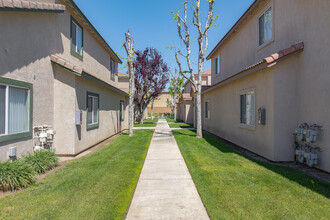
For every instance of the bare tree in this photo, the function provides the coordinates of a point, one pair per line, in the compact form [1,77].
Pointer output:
[129,47]
[184,36]
[175,91]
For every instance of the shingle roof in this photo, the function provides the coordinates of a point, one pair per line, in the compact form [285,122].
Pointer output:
[122,75]
[30,5]
[205,73]
[186,97]
[83,73]
[66,64]
[267,61]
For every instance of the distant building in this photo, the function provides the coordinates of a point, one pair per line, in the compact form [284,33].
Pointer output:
[186,103]
[123,81]
[161,105]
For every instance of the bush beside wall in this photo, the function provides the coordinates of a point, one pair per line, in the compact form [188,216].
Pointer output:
[15,175]
[19,174]
[42,161]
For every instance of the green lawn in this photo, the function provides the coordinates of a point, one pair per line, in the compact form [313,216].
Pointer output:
[235,187]
[98,186]
[148,123]
[180,125]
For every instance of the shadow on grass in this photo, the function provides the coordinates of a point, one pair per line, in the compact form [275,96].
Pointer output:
[303,179]
[180,125]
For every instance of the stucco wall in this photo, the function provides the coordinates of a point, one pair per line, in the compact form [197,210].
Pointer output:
[309,22]
[109,114]
[160,103]
[96,60]
[70,96]
[224,118]
[24,57]
[241,49]
[189,114]
[27,40]
[301,83]
[64,111]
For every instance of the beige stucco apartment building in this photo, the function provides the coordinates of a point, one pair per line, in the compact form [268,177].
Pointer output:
[123,81]
[54,65]
[162,104]
[186,103]
[276,57]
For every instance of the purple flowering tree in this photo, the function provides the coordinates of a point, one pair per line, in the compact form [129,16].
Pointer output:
[151,77]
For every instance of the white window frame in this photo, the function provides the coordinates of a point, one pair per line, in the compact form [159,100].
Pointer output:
[7,109]
[217,65]
[208,115]
[93,110]
[267,42]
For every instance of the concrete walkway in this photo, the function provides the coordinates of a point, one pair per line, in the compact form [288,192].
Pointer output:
[165,189]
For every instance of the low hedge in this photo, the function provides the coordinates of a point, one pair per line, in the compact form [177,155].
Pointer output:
[41,161]
[21,173]
[15,175]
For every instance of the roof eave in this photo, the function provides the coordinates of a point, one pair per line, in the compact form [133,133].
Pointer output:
[74,5]
[232,30]
[267,62]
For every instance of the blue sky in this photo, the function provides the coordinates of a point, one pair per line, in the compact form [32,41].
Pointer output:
[151,23]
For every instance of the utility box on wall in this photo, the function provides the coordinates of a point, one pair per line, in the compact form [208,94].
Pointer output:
[261,116]
[79,117]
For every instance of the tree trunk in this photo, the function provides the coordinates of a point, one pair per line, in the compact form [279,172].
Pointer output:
[140,117]
[198,96]
[152,109]
[129,47]
[199,113]
[175,104]
[131,100]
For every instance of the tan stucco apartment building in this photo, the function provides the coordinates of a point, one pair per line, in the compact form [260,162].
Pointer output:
[186,103]
[161,104]
[55,68]
[276,57]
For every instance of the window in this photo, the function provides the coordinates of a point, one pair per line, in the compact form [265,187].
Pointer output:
[217,65]
[122,111]
[76,38]
[15,112]
[207,110]
[265,27]
[247,108]
[112,69]
[92,110]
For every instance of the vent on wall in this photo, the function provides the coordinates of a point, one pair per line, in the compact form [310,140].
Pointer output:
[12,153]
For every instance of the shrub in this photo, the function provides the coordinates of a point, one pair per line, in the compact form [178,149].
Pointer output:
[15,175]
[42,160]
